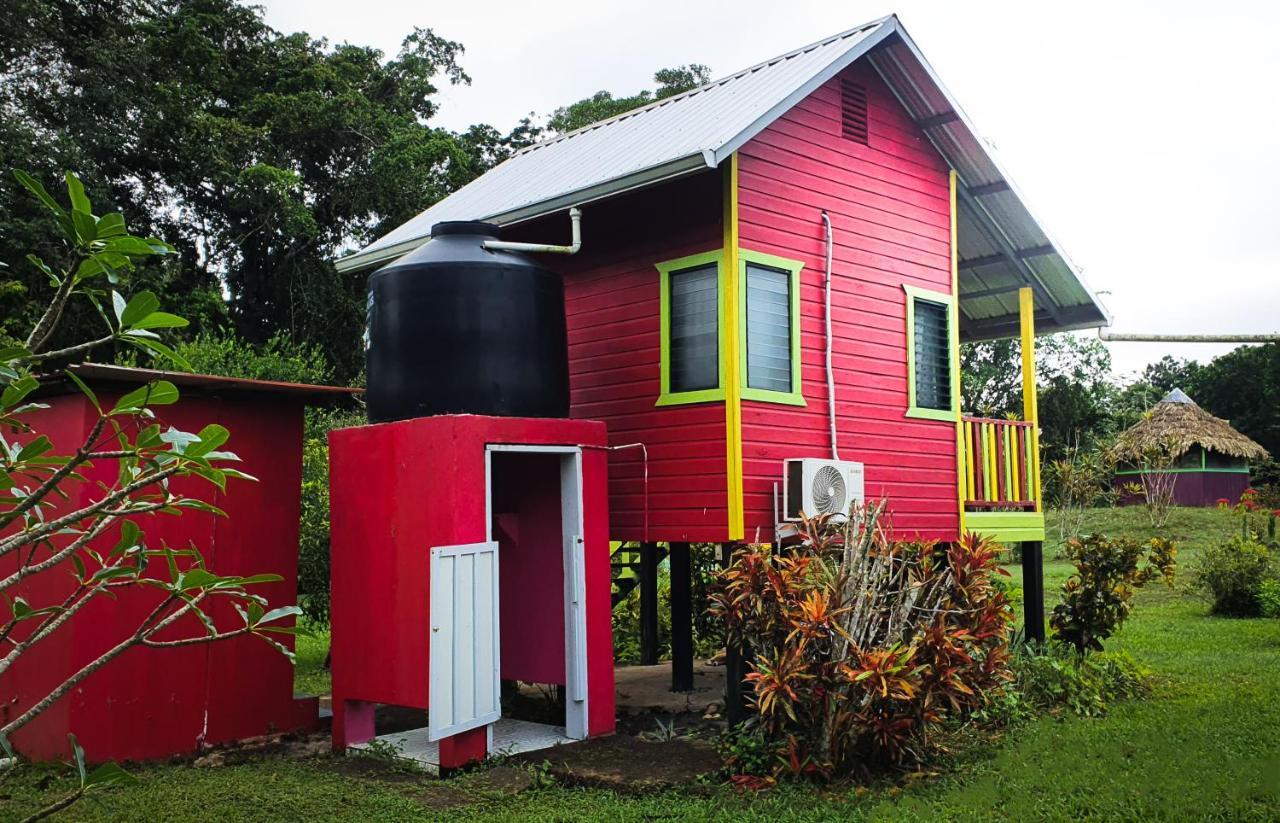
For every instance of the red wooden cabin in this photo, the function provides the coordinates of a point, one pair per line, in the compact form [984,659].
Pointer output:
[733,179]
[153,703]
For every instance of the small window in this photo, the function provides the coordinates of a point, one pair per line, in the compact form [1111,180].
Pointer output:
[768,328]
[695,329]
[929,355]
[933,356]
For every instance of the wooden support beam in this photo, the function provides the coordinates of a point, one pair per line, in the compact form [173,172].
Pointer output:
[648,604]
[735,666]
[1033,590]
[935,120]
[681,618]
[989,188]
[986,224]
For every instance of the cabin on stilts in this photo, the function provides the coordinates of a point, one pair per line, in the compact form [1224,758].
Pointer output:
[775,275]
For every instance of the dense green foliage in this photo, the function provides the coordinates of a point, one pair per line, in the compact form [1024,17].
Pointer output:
[1098,598]
[1055,678]
[259,155]
[1232,573]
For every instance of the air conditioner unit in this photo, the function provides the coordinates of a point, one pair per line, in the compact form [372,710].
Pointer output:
[821,486]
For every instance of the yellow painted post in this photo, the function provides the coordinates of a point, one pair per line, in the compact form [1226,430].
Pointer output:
[968,463]
[730,355]
[963,466]
[1030,410]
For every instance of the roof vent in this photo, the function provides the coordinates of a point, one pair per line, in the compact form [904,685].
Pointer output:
[853,110]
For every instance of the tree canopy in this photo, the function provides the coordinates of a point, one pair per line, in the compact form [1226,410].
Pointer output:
[259,155]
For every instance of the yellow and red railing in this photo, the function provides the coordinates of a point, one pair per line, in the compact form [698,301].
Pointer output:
[999,464]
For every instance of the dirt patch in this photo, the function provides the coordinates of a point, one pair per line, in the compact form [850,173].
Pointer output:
[628,764]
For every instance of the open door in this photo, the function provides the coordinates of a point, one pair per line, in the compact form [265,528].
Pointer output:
[464,665]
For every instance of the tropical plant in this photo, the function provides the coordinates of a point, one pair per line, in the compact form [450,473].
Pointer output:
[1074,483]
[862,645]
[1232,574]
[1098,596]
[1053,678]
[97,547]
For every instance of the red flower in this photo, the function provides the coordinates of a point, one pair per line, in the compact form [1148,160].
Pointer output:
[1223,502]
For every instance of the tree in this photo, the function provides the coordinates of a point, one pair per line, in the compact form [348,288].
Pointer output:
[259,156]
[1243,386]
[602,105]
[42,532]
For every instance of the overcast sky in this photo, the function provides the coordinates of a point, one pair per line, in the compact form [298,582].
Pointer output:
[1144,136]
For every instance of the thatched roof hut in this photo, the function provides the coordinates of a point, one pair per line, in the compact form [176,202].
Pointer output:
[1176,421]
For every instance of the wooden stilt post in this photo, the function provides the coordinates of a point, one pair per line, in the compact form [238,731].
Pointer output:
[1033,589]
[681,618]
[648,604]
[735,666]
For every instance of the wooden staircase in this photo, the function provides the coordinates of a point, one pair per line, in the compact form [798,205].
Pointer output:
[624,560]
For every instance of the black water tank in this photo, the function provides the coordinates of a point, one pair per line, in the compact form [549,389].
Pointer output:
[455,328]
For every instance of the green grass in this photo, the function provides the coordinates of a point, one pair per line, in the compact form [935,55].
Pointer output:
[1206,745]
[309,674]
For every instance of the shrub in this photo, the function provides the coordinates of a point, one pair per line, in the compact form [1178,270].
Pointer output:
[863,645]
[1054,678]
[1098,597]
[1232,574]
[1269,598]
[1074,483]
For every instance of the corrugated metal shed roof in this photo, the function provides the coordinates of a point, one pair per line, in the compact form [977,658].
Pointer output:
[1002,245]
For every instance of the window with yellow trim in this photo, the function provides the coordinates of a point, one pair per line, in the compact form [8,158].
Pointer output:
[932,381]
[691,315]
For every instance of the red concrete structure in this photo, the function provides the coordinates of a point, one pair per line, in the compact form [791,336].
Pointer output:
[535,490]
[153,703]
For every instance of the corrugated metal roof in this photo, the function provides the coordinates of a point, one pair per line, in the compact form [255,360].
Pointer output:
[1002,244]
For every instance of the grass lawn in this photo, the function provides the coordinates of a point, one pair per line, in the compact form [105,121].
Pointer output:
[1206,745]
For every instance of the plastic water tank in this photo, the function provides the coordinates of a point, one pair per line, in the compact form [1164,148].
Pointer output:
[455,328]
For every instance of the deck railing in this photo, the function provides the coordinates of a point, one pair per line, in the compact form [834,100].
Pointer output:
[999,464]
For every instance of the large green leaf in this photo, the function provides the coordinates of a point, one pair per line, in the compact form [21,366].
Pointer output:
[211,437]
[33,185]
[160,320]
[155,393]
[75,190]
[140,305]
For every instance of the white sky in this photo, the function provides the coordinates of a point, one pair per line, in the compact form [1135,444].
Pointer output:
[1144,135]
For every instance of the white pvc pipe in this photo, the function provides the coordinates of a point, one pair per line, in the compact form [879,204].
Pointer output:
[831,379]
[1114,337]
[575,218]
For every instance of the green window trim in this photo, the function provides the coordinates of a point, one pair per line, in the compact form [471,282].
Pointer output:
[795,397]
[953,332]
[666,397]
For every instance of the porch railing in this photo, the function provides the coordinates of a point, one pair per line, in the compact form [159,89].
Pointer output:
[999,464]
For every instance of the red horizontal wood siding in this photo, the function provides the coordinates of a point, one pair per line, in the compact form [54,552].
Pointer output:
[612,309]
[889,203]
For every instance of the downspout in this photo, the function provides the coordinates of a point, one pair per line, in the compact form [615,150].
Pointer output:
[831,380]
[1113,337]
[575,218]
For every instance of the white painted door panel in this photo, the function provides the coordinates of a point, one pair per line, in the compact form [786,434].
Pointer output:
[465,651]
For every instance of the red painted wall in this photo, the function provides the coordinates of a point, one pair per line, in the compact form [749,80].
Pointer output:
[611,301]
[889,204]
[151,703]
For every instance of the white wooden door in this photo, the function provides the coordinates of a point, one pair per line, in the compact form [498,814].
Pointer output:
[465,655]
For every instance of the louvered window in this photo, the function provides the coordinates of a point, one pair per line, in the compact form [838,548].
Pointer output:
[695,329]
[853,110]
[932,355]
[768,328]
